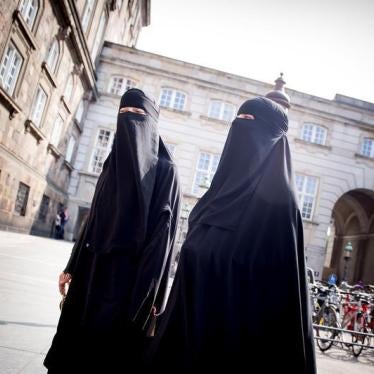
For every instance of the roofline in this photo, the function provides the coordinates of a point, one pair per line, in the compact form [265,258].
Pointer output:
[364,105]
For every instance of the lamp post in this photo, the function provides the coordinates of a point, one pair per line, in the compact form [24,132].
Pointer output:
[347,256]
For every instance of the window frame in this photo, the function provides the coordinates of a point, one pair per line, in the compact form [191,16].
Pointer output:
[86,24]
[96,147]
[70,149]
[315,128]
[52,140]
[213,158]
[53,69]
[301,194]
[364,139]
[36,15]
[23,208]
[11,91]
[120,91]
[223,105]
[34,106]
[173,96]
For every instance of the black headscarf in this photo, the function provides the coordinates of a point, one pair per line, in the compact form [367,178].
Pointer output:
[240,290]
[248,145]
[120,208]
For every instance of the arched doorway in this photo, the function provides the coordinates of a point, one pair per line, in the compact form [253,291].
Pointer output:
[352,223]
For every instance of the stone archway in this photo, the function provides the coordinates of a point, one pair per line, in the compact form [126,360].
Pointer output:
[352,221]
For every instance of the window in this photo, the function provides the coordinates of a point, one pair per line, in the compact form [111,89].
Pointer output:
[52,55]
[221,110]
[38,106]
[367,148]
[79,112]
[307,190]
[313,133]
[22,198]
[171,148]
[102,148]
[172,99]
[70,149]
[119,85]
[10,68]
[43,209]
[205,170]
[56,132]
[69,89]
[28,9]
[87,13]
[99,36]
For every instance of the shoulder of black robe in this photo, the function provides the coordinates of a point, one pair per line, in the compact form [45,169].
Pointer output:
[150,291]
[248,145]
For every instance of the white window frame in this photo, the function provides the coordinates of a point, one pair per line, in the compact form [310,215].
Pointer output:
[10,68]
[370,148]
[69,88]
[29,10]
[173,99]
[87,14]
[119,84]
[80,111]
[312,130]
[304,195]
[213,161]
[39,103]
[223,108]
[56,131]
[70,149]
[99,36]
[101,151]
[52,55]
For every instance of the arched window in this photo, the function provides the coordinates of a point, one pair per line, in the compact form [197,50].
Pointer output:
[52,55]
[29,9]
[221,110]
[68,92]
[314,133]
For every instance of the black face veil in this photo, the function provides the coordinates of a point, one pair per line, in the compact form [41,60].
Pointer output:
[248,145]
[122,200]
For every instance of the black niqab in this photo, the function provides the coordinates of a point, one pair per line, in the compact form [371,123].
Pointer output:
[239,301]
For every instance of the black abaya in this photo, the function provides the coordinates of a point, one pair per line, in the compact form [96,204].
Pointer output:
[120,263]
[239,301]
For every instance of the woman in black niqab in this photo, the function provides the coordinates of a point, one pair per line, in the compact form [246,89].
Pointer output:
[239,301]
[119,266]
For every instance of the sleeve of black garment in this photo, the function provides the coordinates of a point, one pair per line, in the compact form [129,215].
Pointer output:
[71,265]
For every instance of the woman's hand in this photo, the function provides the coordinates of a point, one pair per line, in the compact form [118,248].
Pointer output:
[63,281]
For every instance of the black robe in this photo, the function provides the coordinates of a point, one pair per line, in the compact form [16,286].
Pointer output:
[120,263]
[240,298]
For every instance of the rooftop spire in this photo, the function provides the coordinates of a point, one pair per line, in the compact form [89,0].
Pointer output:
[279,94]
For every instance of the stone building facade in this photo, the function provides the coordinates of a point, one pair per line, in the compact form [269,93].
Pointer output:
[331,141]
[48,76]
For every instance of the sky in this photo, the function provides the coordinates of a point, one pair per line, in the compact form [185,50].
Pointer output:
[323,47]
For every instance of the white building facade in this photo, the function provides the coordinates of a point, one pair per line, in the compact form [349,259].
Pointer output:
[332,144]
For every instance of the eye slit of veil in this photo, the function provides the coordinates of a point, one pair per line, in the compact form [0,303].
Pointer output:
[245,116]
[132,109]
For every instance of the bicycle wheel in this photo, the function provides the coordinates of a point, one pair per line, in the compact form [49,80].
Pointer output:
[328,319]
[360,339]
